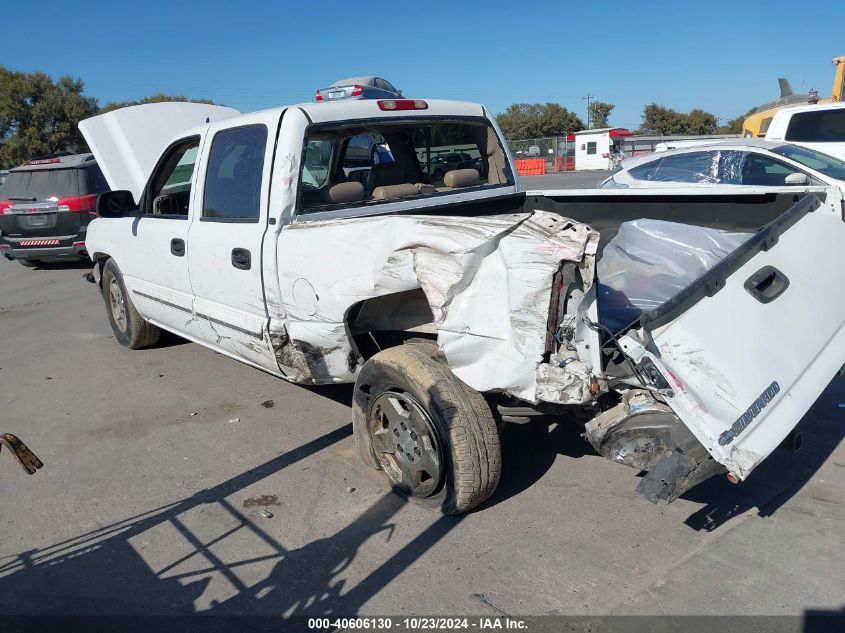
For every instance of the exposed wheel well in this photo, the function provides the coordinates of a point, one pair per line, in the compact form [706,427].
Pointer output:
[388,320]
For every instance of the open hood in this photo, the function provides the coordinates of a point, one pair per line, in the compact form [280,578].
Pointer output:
[128,142]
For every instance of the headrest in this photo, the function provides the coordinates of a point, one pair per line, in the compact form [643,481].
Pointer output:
[344,192]
[389,192]
[461,178]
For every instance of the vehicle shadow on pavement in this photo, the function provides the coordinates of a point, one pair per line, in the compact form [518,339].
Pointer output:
[167,339]
[83,264]
[103,572]
[823,621]
[342,394]
[779,477]
[530,449]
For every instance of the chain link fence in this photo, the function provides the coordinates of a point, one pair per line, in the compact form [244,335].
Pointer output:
[559,155]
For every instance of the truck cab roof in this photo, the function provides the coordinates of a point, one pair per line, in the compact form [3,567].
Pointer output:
[129,141]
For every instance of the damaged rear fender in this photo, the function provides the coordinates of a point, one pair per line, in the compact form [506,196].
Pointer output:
[486,281]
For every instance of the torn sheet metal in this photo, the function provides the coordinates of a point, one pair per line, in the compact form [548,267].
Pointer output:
[487,281]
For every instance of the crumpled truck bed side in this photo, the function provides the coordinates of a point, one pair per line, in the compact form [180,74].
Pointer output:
[487,280]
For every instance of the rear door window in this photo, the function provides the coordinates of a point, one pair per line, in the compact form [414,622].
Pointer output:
[817,126]
[693,167]
[644,172]
[233,179]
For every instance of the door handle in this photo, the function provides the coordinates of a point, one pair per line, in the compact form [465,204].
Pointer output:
[241,258]
[767,284]
[177,247]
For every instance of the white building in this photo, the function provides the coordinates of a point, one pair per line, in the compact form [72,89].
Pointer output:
[594,149]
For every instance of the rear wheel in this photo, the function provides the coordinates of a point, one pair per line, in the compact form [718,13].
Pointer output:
[130,329]
[29,263]
[433,436]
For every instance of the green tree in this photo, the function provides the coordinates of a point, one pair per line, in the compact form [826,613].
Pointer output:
[40,116]
[600,113]
[156,98]
[661,120]
[534,120]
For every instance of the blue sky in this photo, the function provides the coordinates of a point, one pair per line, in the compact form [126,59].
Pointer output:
[724,57]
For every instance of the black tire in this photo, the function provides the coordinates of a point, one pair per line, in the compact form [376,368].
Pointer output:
[130,329]
[29,263]
[438,174]
[465,433]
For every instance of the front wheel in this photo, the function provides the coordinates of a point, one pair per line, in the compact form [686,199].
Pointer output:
[433,436]
[129,327]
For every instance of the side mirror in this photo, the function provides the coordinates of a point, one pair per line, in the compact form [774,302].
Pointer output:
[797,180]
[116,204]
[399,92]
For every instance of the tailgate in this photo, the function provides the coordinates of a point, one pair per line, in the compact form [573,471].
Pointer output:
[748,348]
[38,219]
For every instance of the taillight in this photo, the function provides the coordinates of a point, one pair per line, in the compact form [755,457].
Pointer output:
[5,204]
[402,104]
[318,97]
[357,91]
[78,203]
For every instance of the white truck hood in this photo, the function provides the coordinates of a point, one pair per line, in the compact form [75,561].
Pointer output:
[128,142]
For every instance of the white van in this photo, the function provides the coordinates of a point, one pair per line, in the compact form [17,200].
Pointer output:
[820,127]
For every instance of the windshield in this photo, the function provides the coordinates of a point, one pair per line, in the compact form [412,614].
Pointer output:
[822,163]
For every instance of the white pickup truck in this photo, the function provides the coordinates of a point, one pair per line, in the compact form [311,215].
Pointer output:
[447,302]
[819,127]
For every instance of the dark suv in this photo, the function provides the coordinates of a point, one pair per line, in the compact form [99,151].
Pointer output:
[45,208]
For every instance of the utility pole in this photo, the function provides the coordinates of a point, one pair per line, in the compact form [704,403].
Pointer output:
[589,98]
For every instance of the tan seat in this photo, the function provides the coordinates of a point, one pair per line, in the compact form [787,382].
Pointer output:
[344,192]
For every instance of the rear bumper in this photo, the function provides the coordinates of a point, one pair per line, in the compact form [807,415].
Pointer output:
[66,249]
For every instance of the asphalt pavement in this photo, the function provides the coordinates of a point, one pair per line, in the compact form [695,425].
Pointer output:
[565,180]
[179,481]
